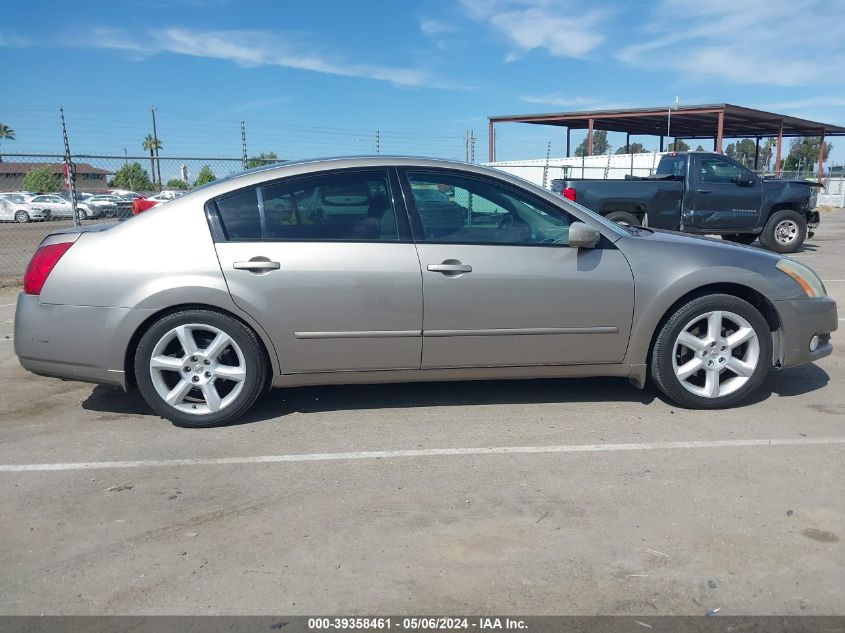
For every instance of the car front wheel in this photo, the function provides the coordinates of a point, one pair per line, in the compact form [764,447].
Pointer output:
[713,352]
[200,368]
[21,216]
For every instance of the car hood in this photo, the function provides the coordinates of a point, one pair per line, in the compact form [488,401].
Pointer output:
[717,244]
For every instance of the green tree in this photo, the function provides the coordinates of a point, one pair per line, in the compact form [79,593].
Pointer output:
[262,159]
[132,176]
[205,176]
[600,144]
[6,133]
[742,152]
[152,144]
[636,148]
[42,180]
[804,153]
[677,145]
[177,183]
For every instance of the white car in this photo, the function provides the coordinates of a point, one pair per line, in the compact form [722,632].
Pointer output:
[164,196]
[16,208]
[60,207]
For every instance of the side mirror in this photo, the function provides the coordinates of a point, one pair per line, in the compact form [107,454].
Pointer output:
[583,236]
[744,181]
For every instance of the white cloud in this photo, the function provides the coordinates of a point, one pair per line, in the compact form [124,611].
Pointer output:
[774,42]
[13,41]
[560,27]
[568,101]
[435,28]
[253,48]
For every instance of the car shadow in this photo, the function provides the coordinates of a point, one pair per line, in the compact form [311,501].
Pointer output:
[280,402]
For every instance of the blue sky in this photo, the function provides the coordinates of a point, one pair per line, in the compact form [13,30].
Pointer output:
[318,78]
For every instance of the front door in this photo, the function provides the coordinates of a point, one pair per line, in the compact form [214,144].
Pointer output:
[726,195]
[322,263]
[502,287]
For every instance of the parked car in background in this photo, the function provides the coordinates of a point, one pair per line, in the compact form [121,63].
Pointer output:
[125,193]
[111,205]
[60,207]
[705,193]
[139,205]
[315,272]
[16,211]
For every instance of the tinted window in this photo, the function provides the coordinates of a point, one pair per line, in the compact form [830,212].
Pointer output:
[717,169]
[466,210]
[355,206]
[672,166]
[239,216]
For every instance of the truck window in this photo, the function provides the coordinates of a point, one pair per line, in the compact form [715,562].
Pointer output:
[672,166]
[718,169]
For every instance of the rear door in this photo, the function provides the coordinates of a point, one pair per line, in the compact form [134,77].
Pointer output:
[502,286]
[726,196]
[326,265]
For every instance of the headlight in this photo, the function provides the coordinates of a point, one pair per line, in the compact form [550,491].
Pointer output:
[804,277]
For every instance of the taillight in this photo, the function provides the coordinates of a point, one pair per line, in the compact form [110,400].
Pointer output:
[569,193]
[41,265]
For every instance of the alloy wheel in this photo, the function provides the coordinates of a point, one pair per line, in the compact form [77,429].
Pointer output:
[197,369]
[786,231]
[715,354]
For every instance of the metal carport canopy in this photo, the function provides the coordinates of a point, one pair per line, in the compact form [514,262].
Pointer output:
[716,121]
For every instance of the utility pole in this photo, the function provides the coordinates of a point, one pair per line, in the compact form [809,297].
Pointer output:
[243,141]
[125,157]
[466,147]
[70,172]
[546,167]
[471,146]
[155,140]
[378,142]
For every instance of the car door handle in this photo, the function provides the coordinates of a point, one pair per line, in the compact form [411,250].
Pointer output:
[703,191]
[450,267]
[257,265]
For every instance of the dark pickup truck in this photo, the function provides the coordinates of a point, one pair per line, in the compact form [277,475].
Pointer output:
[706,193]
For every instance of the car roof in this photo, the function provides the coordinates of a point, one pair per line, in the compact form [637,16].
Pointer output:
[304,167]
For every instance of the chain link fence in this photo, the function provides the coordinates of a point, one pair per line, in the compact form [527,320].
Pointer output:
[44,174]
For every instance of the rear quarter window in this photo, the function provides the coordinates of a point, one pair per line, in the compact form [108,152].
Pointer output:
[239,216]
[672,166]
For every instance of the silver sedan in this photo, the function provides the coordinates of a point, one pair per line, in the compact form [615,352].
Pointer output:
[396,269]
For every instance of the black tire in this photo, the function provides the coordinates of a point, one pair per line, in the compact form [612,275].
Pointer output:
[623,217]
[810,234]
[740,238]
[662,354]
[772,235]
[256,366]
[81,214]
[21,217]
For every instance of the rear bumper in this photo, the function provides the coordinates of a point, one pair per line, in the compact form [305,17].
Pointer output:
[74,342]
[802,319]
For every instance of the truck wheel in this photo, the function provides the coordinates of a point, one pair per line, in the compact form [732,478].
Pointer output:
[623,217]
[740,238]
[713,352]
[785,231]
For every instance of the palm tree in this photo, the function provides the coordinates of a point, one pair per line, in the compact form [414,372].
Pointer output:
[6,132]
[152,144]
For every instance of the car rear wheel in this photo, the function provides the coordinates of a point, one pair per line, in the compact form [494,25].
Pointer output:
[713,352]
[785,231]
[21,216]
[740,238]
[623,217]
[200,368]
[82,214]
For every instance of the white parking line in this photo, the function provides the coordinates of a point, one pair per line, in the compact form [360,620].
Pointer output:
[428,452]
[6,305]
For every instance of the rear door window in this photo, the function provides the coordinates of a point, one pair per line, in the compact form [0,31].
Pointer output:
[240,216]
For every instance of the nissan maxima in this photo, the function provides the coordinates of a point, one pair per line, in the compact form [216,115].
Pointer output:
[379,270]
